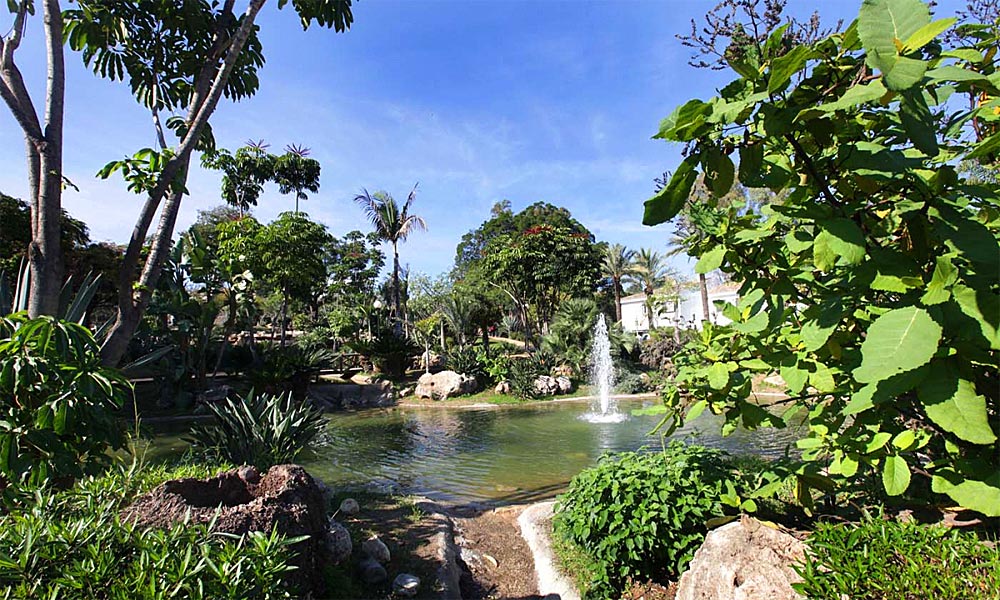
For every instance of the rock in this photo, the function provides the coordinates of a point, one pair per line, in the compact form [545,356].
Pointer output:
[349,507]
[503,387]
[546,386]
[565,384]
[406,585]
[744,560]
[372,572]
[376,549]
[442,385]
[563,371]
[338,542]
[403,393]
[352,395]
[285,498]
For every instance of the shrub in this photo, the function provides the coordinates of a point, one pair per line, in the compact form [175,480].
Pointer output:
[496,367]
[643,515]
[465,361]
[259,430]
[630,382]
[889,560]
[522,374]
[657,351]
[388,352]
[73,545]
[57,403]
[284,369]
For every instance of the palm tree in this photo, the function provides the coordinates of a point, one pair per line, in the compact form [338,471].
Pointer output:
[295,172]
[651,271]
[392,224]
[617,264]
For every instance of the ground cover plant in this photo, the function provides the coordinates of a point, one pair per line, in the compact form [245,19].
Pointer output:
[889,560]
[870,283]
[642,515]
[72,544]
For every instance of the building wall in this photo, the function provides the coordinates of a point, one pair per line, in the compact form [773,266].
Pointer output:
[688,314]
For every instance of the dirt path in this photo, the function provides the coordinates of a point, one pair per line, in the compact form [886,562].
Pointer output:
[499,561]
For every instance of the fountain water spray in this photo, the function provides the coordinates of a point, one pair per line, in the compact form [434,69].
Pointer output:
[603,409]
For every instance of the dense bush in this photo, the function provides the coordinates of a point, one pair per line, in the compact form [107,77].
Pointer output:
[465,361]
[658,351]
[73,545]
[522,374]
[631,382]
[889,560]
[496,366]
[643,515]
[282,369]
[57,403]
[260,430]
[388,352]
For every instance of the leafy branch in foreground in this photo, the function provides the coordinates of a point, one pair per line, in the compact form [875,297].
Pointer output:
[871,287]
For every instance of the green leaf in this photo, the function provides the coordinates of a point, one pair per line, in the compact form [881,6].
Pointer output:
[884,26]
[719,171]
[878,441]
[684,122]
[839,238]
[895,475]
[853,97]
[861,400]
[899,340]
[783,67]
[696,409]
[918,121]
[904,439]
[953,404]
[945,275]
[710,260]
[794,377]
[982,495]
[665,205]
[822,378]
[718,376]
[923,36]
[984,307]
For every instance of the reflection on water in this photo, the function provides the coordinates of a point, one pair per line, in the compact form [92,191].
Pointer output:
[497,454]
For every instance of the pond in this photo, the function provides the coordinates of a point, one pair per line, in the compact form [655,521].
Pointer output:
[496,454]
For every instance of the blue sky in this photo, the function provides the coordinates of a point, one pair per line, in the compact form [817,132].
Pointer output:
[479,101]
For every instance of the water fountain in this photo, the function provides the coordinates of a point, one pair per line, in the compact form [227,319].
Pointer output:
[603,408]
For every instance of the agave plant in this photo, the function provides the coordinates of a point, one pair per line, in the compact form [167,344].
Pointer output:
[260,430]
[72,305]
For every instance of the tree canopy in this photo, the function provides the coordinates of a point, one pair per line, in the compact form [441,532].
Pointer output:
[872,287]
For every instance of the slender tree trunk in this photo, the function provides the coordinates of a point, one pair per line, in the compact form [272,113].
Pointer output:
[206,93]
[441,325]
[284,317]
[705,306]
[395,280]
[618,299]
[649,308]
[486,341]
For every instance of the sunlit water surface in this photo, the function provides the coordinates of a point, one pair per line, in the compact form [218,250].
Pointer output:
[497,454]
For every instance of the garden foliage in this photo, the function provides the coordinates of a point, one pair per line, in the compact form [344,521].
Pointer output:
[260,430]
[871,286]
[72,544]
[889,560]
[643,515]
[58,403]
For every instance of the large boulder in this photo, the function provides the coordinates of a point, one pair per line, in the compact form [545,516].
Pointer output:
[546,386]
[445,384]
[744,560]
[285,498]
[565,384]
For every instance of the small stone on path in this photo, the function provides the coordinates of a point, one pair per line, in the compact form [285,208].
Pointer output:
[376,549]
[350,506]
[372,572]
[406,585]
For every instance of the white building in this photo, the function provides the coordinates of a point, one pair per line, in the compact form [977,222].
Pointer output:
[687,311]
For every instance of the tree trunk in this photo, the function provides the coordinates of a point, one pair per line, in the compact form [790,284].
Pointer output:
[649,308]
[618,299]
[284,317]
[441,324]
[486,341]
[395,281]
[705,306]
[207,90]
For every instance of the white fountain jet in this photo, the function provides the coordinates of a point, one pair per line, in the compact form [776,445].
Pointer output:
[603,408]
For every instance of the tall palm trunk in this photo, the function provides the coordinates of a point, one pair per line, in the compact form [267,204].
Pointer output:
[649,307]
[395,280]
[703,284]
[618,298]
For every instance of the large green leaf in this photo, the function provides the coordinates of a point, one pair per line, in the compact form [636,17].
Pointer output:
[981,495]
[953,404]
[783,67]
[665,205]
[884,27]
[984,307]
[900,340]
[895,475]
[918,121]
[839,239]
[926,34]
[710,260]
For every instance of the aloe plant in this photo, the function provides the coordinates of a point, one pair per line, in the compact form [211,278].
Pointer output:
[260,430]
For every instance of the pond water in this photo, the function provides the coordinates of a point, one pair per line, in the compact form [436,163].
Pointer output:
[496,454]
